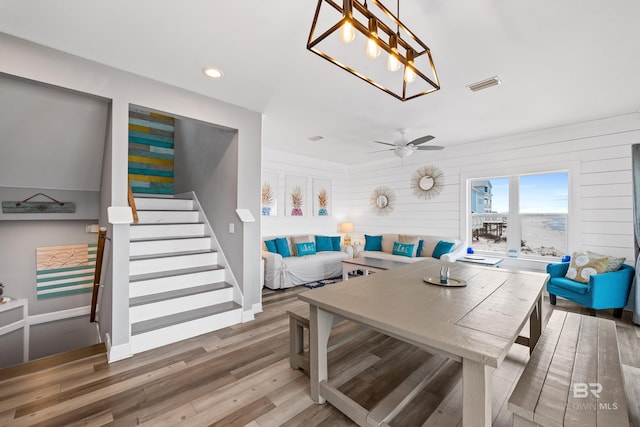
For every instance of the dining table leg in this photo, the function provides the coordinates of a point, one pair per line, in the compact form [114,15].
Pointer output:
[535,324]
[476,394]
[320,323]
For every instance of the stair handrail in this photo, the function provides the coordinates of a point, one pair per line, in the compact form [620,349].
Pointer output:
[132,204]
[102,237]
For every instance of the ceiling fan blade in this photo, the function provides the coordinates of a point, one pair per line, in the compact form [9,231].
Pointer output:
[380,151]
[430,147]
[421,140]
[384,143]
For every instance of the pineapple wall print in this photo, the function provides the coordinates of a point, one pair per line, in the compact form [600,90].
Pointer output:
[296,201]
[323,202]
[267,199]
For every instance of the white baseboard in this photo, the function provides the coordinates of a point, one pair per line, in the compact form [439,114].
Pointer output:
[117,352]
[249,315]
[38,319]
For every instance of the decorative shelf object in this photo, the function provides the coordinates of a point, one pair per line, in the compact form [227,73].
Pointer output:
[26,206]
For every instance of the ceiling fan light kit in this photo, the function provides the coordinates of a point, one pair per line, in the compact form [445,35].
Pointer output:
[382,31]
[403,147]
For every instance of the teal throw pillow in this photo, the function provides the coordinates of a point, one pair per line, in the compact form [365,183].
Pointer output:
[403,249]
[420,245]
[306,248]
[283,247]
[335,243]
[271,246]
[442,248]
[372,243]
[323,244]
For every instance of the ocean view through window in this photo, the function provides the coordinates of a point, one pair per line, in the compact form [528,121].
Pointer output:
[520,215]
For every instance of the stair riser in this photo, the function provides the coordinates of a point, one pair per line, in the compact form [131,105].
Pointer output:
[174,283]
[170,230]
[160,217]
[169,246]
[178,305]
[171,263]
[143,203]
[182,331]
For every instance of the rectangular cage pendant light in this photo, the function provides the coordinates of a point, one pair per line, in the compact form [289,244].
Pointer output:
[352,35]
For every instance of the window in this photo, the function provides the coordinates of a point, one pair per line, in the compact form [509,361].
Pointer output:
[524,214]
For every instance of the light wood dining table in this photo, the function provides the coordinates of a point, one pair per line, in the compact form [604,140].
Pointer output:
[475,325]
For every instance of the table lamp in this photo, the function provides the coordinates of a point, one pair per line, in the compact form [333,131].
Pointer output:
[347,227]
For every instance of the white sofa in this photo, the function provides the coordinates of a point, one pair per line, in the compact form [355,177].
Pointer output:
[295,270]
[430,242]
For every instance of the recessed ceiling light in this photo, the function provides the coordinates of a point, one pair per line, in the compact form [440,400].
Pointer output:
[214,73]
[315,138]
[484,84]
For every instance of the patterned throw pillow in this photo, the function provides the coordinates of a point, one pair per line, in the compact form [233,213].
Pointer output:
[614,263]
[412,240]
[582,267]
[403,249]
[306,248]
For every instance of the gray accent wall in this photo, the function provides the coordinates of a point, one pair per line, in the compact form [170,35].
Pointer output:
[206,161]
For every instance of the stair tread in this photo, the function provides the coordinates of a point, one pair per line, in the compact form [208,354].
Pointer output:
[171,254]
[186,316]
[159,239]
[164,210]
[138,224]
[159,197]
[171,273]
[164,296]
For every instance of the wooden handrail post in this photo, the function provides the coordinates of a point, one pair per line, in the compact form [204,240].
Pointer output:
[132,204]
[102,236]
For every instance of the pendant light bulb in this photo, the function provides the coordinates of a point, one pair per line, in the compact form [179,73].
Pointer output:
[409,74]
[347,32]
[392,63]
[373,50]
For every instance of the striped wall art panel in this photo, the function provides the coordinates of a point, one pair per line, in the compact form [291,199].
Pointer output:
[65,270]
[150,152]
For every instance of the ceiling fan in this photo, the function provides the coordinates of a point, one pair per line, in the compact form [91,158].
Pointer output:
[403,147]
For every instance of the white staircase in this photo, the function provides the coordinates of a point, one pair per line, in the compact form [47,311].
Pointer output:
[177,290]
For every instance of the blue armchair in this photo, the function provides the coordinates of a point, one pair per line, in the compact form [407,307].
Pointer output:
[605,290]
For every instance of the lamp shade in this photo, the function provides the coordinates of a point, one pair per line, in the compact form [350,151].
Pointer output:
[346,227]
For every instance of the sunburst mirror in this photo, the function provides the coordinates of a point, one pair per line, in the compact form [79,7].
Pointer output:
[427,182]
[382,200]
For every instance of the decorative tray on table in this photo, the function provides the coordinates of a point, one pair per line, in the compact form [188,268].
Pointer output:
[451,283]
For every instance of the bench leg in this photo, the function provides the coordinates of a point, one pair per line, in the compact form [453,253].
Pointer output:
[296,341]
[617,313]
[552,299]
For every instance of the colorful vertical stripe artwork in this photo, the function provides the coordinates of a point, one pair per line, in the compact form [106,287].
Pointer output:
[65,270]
[150,152]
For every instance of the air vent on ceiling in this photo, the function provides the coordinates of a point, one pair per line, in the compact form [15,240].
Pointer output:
[484,84]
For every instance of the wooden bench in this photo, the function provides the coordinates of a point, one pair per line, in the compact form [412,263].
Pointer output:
[574,376]
[299,322]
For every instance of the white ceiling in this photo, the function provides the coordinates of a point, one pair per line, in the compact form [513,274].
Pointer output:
[560,62]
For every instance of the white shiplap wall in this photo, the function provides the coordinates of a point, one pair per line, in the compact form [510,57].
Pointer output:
[597,154]
[283,164]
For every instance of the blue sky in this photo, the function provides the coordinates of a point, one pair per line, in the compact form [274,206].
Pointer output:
[546,193]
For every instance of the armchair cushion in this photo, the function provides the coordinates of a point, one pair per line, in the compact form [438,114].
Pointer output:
[582,267]
[570,285]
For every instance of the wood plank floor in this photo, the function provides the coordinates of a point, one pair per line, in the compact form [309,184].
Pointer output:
[241,376]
